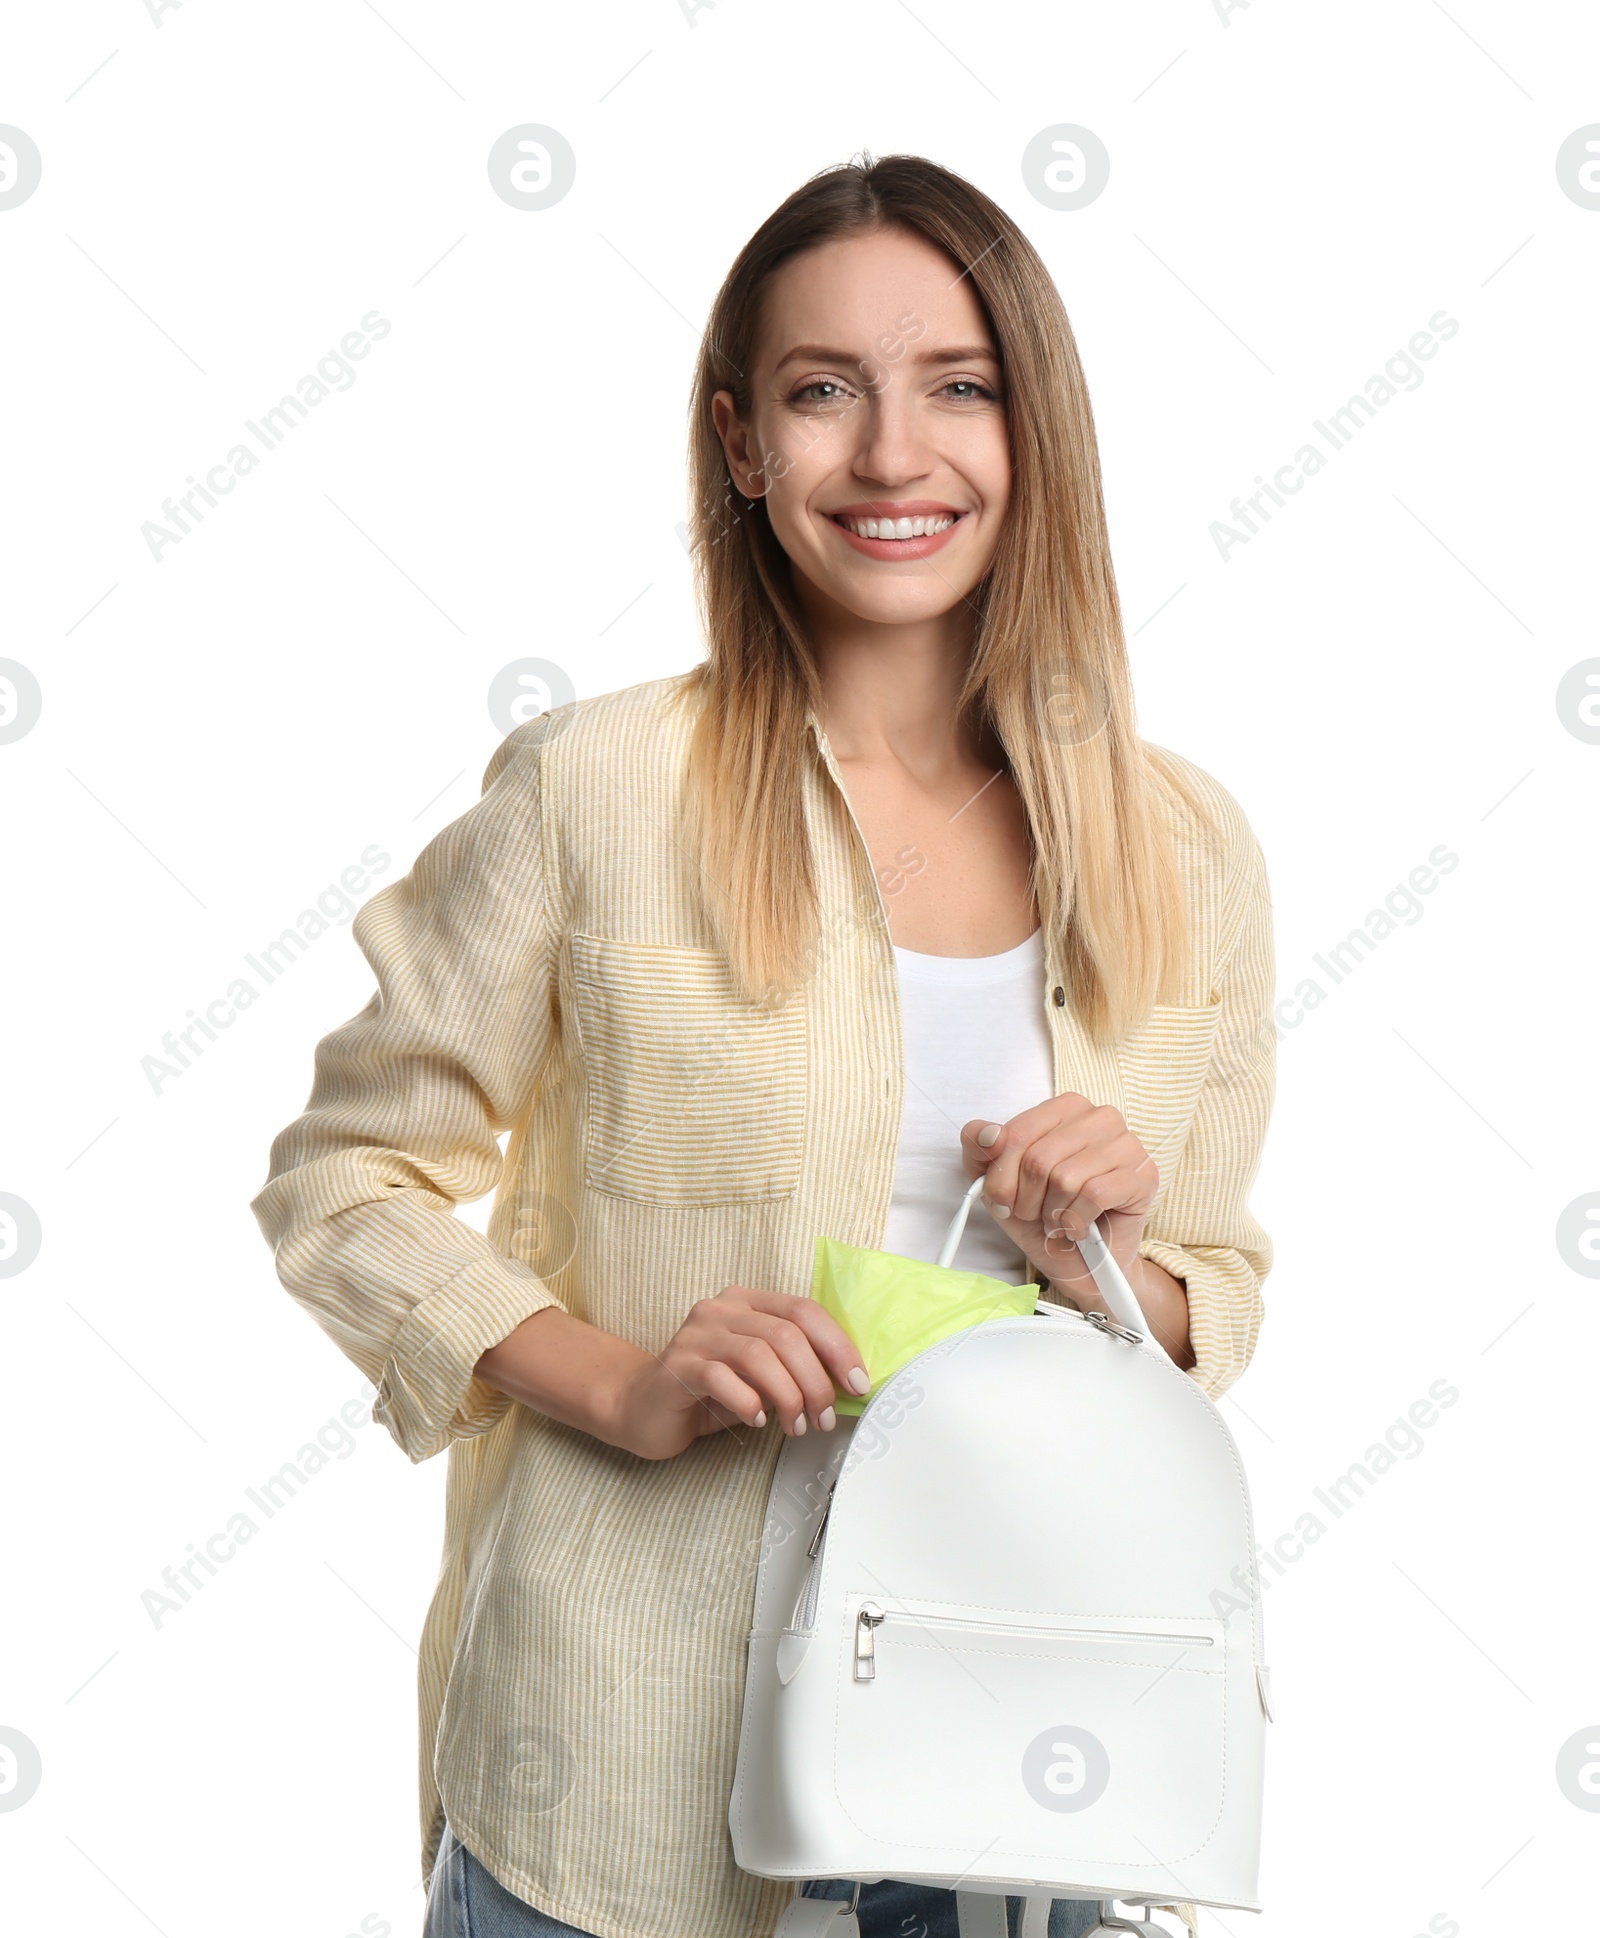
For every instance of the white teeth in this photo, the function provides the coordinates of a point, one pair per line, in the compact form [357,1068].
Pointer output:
[900,527]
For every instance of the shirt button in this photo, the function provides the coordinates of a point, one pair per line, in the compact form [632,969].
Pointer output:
[1059,997]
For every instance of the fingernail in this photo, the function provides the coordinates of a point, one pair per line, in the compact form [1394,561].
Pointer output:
[761,1419]
[799,1424]
[856,1379]
[989,1135]
[825,1419]
[1001,1211]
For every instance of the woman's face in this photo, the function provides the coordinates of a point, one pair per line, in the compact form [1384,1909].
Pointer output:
[876,396]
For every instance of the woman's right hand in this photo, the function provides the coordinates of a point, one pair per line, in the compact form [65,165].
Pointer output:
[737,1359]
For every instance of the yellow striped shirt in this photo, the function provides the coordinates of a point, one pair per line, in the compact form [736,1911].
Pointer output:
[546,969]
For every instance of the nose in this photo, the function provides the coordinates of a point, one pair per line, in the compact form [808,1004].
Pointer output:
[892,448]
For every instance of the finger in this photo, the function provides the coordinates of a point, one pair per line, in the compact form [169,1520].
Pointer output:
[1117,1150]
[761,1362]
[1077,1196]
[1037,1140]
[723,1391]
[997,1158]
[793,1350]
[1117,1226]
[833,1350]
[1065,1108]
[1042,1159]
[982,1141]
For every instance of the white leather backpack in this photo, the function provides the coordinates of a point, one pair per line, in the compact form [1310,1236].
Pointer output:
[1000,1642]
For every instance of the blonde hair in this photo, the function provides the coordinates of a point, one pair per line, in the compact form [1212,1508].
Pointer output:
[1048,671]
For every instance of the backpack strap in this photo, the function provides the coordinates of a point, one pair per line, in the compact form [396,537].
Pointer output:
[1036,1915]
[818,1918]
[979,1914]
[1112,1922]
[982,1914]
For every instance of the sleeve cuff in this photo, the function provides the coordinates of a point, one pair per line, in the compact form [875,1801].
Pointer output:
[1225,1308]
[427,1394]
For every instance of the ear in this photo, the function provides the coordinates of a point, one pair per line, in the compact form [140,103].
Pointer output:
[744,470]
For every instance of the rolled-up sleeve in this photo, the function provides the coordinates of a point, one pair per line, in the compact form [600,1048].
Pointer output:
[1202,1230]
[407,1102]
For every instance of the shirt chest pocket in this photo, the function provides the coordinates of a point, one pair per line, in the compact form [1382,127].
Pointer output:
[692,1096]
[1164,1063]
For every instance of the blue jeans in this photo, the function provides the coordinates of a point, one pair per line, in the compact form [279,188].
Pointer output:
[465,1900]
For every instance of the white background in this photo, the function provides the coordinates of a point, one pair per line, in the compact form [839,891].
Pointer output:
[1294,191]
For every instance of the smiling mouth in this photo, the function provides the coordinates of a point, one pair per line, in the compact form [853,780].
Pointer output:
[897,528]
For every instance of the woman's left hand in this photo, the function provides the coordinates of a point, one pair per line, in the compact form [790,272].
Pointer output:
[1050,1172]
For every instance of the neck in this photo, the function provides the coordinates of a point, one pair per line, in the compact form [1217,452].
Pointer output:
[892,689]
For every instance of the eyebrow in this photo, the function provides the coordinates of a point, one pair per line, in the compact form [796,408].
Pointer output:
[824,353]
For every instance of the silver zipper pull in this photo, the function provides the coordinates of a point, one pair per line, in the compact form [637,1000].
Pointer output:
[868,1616]
[827,1509]
[1102,1322]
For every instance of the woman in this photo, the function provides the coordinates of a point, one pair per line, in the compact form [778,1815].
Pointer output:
[885,894]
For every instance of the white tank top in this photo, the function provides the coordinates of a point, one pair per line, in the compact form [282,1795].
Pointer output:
[976,1045]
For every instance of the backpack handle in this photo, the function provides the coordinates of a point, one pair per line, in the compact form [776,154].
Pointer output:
[1103,1268]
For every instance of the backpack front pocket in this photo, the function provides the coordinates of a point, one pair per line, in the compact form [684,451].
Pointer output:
[1083,1738]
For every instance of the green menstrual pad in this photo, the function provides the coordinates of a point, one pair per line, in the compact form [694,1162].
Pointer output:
[894,1308]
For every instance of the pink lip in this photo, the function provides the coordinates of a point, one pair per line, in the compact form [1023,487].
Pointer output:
[897,548]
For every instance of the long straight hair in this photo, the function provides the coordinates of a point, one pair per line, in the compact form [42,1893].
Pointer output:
[1048,674]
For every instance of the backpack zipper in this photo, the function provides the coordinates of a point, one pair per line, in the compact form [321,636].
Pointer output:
[827,1509]
[869,1616]
[805,1608]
